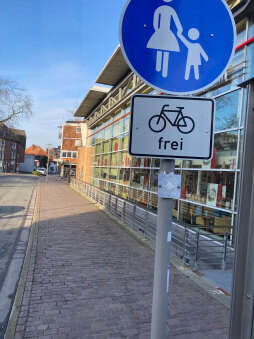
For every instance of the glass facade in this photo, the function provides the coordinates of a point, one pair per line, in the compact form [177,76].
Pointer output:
[209,191]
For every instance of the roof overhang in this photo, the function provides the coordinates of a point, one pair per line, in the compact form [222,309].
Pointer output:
[94,96]
[114,70]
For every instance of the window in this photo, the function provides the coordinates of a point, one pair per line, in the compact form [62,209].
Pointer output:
[63,154]
[228,111]
[68,154]
[77,142]
[78,129]
[74,155]
[209,188]
[224,153]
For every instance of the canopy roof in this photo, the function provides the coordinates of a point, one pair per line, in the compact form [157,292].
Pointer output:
[114,70]
[94,96]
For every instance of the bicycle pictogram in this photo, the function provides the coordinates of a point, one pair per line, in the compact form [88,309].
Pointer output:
[183,123]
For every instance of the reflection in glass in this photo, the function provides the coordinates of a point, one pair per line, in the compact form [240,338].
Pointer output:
[228,111]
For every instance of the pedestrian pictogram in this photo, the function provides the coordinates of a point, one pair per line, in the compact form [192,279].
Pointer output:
[177,46]
[183,123]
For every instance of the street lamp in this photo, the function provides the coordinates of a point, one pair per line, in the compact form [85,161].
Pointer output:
[49,145]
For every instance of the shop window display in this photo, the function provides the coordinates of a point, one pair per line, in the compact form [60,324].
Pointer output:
[124,142]
[140,178]
[141,162]
[112,188]
[102,184]
[113,174]
[125,159]
[96,173]
[104,173]
[224,153]
[97,160]
[209,188]
[105,147]
[114,159]
[105,160]
[115,144]
[154,180]
[98,149]
[139,197]
[123,192]
[204,216]
[124,176]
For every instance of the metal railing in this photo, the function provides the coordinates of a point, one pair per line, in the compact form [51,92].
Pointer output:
[194,245]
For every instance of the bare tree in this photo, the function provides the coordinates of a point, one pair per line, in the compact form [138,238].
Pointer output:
[15,103]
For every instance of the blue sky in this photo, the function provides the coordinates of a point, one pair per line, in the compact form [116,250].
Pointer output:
[56,49]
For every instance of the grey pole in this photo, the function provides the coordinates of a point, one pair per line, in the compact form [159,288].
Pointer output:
[241,318]
[162,260]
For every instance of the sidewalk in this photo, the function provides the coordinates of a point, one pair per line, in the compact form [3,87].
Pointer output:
[88,278]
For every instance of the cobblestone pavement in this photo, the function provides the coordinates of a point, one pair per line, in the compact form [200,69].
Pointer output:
[89,279]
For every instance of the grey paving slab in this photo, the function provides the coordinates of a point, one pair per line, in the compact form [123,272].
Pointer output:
[89,279]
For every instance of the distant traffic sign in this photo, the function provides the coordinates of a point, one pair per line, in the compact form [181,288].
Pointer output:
[177,47]
[171,127]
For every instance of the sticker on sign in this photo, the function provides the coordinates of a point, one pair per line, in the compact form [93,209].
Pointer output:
[171,127]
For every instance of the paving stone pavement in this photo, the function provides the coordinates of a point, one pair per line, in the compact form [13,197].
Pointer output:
[88,278]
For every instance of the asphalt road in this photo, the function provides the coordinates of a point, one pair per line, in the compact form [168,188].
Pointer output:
[15,195]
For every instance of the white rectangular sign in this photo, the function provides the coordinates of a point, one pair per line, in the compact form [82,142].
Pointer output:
[171,127]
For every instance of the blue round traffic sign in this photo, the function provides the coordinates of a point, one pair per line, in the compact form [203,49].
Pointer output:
[177,46]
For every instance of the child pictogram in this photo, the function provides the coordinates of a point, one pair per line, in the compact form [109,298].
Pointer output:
[195,51]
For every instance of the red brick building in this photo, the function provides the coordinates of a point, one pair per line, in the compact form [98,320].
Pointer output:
[12,148]
[74,134]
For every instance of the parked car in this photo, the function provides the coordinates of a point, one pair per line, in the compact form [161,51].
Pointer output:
[42,170]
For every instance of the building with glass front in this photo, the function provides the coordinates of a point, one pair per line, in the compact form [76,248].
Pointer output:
[209,192]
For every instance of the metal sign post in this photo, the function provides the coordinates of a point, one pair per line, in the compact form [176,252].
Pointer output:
[242,314]
[168,128]
[162,259]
